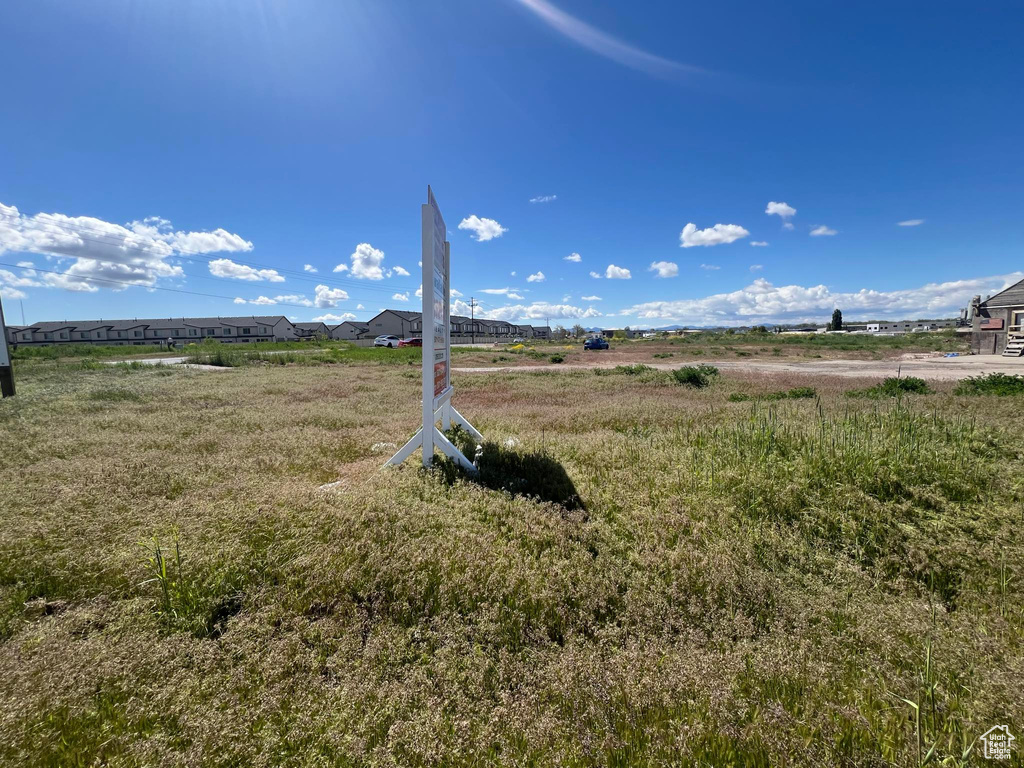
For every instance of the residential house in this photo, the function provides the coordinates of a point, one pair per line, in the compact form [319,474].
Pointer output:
[311,331]
[180,330]
[349,331]
[394,322]
[997,324]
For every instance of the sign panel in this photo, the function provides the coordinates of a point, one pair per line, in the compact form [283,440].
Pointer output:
[5,358]
[436,308]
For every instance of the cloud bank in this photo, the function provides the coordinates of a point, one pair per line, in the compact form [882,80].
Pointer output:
[763,302]
[137,253]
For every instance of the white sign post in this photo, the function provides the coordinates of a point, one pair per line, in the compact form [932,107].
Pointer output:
[436,332]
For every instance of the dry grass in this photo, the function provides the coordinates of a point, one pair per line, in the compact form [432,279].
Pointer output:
[741,583]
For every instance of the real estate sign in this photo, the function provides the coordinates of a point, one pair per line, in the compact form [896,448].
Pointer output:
[437,375]
[436,272]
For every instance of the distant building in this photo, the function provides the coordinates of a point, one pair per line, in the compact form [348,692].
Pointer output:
[312,330]
[909,326]
[349,331]
[997,324]
[189,330]
[138,332]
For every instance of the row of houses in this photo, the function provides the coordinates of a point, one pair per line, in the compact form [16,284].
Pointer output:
[251,329]
[396,322]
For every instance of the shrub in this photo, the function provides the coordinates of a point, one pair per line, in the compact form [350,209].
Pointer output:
[895,387]
[696,376]
[1000,384]
[556,359]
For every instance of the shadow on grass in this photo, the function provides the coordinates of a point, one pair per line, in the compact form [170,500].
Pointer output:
[532,474]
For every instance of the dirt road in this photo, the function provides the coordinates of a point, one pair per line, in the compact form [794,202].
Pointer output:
[922,366]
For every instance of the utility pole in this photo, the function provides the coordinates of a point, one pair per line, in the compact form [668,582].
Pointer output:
[6,369]
[472,318]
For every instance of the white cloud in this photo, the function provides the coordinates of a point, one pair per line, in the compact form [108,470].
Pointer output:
[590,298]
[823,231]
[664,268]
[617,273]
[719,234]
[329,297]
[11,293]
[310,268]
[512,273]
[484,229]
[454,292]
[401,271]
[604,44]
[230,269]
[574,257]
[756,267]
[26,264]
[596,275]
[782,210]
[27,279]
[910,223]
[360,306]
[498,291]
[366,261]
[788,225]
[341,268]
[543,198]
[401,296]
[294,298]
[710,266]
[763,302]
[538,311]
[514,296]
[536,277]
[758,243]
[325,297]
[137,253]
[329,318]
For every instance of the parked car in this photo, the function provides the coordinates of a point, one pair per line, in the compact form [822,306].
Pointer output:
[413,342]
[517,340]
[595,343]
[387,341]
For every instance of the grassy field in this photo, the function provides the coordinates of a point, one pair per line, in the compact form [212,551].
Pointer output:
[646,572]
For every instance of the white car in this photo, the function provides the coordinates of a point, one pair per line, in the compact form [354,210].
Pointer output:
[386,341]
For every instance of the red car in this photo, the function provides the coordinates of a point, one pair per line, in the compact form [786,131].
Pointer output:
[411,343]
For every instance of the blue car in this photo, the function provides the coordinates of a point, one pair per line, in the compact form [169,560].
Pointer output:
[596,343]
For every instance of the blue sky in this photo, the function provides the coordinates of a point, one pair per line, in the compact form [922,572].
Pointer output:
[220,147]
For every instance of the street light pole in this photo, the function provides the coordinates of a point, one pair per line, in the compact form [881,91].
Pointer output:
[472,319]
